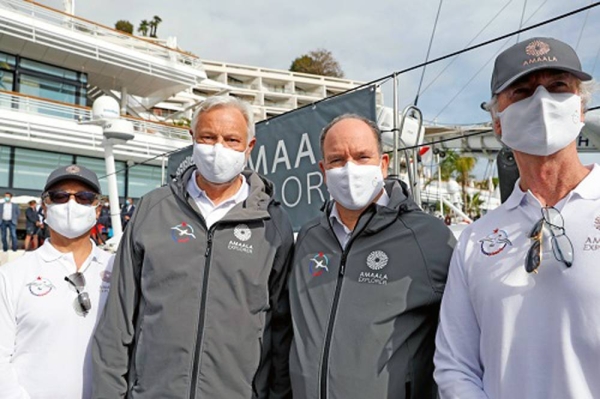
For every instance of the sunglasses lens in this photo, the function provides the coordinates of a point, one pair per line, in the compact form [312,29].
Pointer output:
[534,257]
[59,197]
[78,280]
[536,231]
[85,197]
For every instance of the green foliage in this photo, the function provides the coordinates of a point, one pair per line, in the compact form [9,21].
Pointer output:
[154,25]
[143,28]
[124,26]
[318,62]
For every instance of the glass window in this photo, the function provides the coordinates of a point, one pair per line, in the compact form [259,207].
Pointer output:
[98,166]
[143,178]
[4,165]
[6,80]
[43,88]
[48,69]
[7,61]
[32,167]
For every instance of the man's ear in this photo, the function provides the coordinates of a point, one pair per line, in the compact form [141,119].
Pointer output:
[497,126]
[322,168]
[385,163]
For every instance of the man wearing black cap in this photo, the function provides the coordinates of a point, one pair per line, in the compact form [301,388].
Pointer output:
[51,298]
[519,315]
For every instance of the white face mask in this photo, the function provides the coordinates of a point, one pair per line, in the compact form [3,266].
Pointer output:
[354,186]
[543,123]
[218,164]
[71,220]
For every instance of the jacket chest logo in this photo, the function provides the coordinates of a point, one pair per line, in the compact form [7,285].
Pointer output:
[242,233]
[318,264]
[182,233]
[376,261]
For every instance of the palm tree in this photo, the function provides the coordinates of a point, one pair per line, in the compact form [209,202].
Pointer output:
[143,28]
[463,167]
[154,25]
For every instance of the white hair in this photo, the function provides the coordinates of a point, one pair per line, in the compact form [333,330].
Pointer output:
[586,91]
[225,101]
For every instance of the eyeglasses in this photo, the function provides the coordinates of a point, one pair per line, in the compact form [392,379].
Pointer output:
[562,247]
[82,304]
[62,197]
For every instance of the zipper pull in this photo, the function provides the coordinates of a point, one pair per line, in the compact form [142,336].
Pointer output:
[343,265]
[208,244]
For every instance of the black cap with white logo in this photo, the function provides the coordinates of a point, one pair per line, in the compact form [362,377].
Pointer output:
[532,55]
[73,172]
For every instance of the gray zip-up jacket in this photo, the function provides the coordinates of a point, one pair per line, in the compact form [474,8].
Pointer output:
[365,317]
[195,313]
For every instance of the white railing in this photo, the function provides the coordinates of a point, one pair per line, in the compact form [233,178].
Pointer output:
[128,43]
[31,105]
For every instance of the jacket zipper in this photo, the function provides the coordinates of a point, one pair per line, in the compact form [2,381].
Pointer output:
[202,315]
[329,334]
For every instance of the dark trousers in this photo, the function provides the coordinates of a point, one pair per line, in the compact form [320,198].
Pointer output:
[7,224]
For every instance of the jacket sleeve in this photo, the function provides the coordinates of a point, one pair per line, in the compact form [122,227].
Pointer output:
[458,370]
[9,382]
[114,337]
[281,320]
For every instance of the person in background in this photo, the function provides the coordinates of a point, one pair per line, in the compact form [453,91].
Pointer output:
[519,317]
[105,219]
[10,217]
[51,298]
[32,224]
[127,211]
[367,279]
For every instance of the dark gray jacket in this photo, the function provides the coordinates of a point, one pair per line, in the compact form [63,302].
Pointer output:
[195,313]
[365,318]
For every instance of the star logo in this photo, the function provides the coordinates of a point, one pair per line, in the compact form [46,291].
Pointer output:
[537,48]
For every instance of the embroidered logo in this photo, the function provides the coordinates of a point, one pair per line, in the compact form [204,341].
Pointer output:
[40,286]
[377,260]
[182,232]
[242,232]
[318,264]
[597,223]
[537,48]
[105,277]
[494,243]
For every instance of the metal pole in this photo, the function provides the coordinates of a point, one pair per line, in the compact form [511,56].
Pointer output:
[113,193]
[439,170]
[396,164]
[162,172]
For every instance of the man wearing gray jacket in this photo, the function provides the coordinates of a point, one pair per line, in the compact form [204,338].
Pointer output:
[367,279]
[200,304]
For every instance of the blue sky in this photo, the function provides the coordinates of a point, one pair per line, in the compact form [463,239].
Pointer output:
[369,39]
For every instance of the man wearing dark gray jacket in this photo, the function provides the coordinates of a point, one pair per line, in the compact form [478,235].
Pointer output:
[200,304]
[367,279]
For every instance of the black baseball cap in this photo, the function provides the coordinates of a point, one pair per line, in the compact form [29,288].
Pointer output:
[532,55]
[73,172]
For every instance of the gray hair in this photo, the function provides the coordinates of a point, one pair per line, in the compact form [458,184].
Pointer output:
[223,102]
[372,125]
[586,91]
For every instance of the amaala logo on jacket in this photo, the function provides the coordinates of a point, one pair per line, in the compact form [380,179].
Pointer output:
[243,234]
[376,261]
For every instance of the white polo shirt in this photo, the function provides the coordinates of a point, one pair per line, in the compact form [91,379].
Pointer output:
[213,213]
[44,343]
[507,334]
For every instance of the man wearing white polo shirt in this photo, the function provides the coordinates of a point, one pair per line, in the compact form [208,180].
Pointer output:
[519,316]
[51,298]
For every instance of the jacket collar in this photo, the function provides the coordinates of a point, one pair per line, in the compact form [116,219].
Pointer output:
[254,207]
